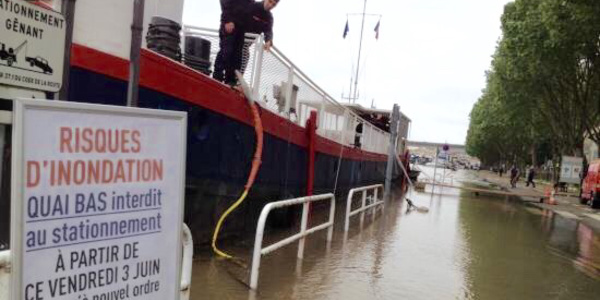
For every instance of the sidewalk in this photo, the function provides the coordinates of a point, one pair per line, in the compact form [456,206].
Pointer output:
[568,203]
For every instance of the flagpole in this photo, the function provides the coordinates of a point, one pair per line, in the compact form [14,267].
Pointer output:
[359,50]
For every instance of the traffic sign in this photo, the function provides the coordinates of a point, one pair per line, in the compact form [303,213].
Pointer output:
[32,46]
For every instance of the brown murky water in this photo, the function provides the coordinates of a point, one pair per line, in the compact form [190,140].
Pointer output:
[465,247]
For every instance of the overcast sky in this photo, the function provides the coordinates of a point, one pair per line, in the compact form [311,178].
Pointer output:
[430,58]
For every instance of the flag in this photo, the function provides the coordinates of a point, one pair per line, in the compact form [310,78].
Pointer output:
[377,30]
[346,29]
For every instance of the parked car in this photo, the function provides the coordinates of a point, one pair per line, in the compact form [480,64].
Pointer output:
[590,189]
[40,63]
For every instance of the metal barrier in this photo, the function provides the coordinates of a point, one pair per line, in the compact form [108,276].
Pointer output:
[281,87]
[364,206]
[4,274]
[259,251]
[187,263]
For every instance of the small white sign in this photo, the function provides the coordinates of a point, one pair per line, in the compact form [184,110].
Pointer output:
[97,201]
[32,46]
[570,169]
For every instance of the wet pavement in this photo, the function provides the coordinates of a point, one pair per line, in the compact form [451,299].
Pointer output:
[465,247]
[567,204]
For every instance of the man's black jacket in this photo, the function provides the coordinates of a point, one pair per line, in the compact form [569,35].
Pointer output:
[256,19]
[232,10]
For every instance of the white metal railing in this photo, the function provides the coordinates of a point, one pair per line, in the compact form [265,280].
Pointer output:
[186,263]
[280,86]
[4,274]
[366,203]
[259,251]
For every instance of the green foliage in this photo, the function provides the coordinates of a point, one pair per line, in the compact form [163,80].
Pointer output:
[544,86]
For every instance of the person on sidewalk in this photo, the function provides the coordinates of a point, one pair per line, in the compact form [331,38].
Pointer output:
[530,177]
[514,176]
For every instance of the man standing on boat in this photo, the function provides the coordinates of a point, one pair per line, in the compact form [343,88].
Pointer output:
[231,39]
[242,16]
[259,19]
[261,22]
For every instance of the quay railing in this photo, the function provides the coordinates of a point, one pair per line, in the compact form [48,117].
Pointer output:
[259,251]
[186,263]
[280,86]
[366,202]
[4,274]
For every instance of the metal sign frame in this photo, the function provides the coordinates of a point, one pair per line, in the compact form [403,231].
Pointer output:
[18,164]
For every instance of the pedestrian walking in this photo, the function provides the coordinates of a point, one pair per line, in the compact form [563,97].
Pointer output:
[530,177]
[514,176]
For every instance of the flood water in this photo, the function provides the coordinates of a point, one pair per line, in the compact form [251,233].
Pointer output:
[465,247]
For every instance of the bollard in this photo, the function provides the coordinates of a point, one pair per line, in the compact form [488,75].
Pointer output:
[546,195]
[551,200]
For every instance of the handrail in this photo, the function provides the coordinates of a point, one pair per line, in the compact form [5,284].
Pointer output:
[214,31]
[259,251]
[5,270]
[364,206]
[186,263]
[5,259]
[374,141]
[289,62]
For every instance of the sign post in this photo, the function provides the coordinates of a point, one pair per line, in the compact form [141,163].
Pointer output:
[32,41]
[97,201]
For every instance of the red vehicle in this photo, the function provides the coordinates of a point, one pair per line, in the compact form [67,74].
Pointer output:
[590,190]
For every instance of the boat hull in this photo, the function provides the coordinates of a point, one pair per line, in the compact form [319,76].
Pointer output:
[221,142]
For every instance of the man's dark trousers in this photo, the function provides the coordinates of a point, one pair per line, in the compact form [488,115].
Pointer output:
[530,180]
[229,57]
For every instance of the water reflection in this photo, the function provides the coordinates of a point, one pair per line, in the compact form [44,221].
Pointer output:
[466,247]
[516,254]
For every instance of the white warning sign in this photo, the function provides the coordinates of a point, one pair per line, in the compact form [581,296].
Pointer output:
[570,169]
[32,41]
[98,202]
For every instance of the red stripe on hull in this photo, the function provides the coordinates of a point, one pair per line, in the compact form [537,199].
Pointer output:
[163,75]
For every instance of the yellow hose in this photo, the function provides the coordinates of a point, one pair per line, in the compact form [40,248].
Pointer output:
[256,161]
[218,228]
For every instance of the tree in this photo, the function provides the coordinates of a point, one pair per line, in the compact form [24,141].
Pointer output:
[545,77]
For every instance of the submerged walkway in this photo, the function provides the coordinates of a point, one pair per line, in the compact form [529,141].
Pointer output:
[567,206]
[466,247]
